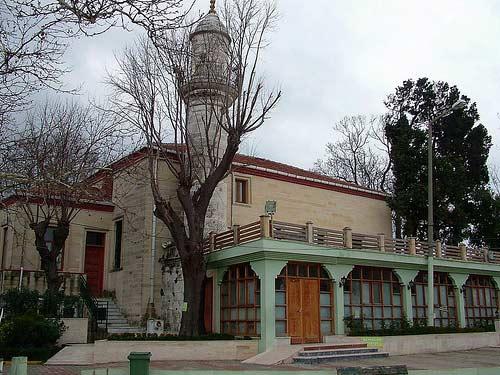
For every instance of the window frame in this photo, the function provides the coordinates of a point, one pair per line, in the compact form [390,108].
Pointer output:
[119,266]
[233,279]
[60,265]
[441,279]
[370,281]
[247,191]
[480,285]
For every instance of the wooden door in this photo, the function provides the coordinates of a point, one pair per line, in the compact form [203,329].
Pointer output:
[294,303]
[303,310]
[310,310]
[208,313]
[94,268]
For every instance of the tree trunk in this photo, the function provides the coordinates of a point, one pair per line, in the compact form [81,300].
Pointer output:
[193,270]
[49,257]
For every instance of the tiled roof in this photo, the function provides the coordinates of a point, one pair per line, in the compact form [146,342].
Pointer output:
[291,171]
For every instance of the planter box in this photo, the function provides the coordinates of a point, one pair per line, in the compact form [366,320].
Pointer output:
[76,331]
[118,351]
[435,343]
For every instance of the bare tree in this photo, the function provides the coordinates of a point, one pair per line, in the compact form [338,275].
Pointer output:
[59,148]
[495,179]
[194,98]
[361,153]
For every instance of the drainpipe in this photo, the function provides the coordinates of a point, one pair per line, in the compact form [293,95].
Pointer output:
[151,305]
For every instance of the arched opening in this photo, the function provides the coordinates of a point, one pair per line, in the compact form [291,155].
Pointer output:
[373,297]
[304,303]
[445,311]
[240,301]
[480,301]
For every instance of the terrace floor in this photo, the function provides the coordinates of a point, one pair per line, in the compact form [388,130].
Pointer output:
[479,358]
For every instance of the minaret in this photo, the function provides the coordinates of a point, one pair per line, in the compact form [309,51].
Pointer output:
[206,93]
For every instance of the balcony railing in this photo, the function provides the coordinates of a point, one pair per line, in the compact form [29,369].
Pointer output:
[344,239]
[35,280]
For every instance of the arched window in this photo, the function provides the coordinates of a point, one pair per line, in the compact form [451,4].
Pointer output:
[445,310]
[240,301]
[307,271]
[480,300]
[373,295]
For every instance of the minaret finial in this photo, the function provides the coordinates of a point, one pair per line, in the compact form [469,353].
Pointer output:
[212,6]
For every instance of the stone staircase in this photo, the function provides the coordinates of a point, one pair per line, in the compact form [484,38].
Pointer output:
[337,352]
[116,322]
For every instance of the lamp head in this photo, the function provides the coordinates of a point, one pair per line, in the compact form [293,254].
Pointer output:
[459,104]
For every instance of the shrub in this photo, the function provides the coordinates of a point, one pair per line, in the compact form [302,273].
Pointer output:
[402,327]
[30,330]
[21,301]
[165,337]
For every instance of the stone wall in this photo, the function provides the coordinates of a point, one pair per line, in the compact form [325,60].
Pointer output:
[76,331]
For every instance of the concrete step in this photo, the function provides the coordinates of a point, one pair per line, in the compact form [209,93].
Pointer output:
[126,330]
[357,345]
[336,358]
[321,353]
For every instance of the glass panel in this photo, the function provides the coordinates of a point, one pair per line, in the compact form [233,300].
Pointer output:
[356,292]
[397,313]
[257,299]
[251,328]
[324,274]
[302,270]
[377,312]
[251,292]
[233,327]
[326,327]
[347,299]
[386,291]
[250,314]
[347,311]
[234,314]
[325,313]
[366,293]
[442,294]
[367,312]
[280,313]
[325,299]
[292,270]
[280,283]
[378,324]
[257,314]
[257,326]
[436,295]
[280,328]
[356,273]
[376,293]
[420,294]
[280,298]
[242,314]
[388,312]
[232,287]
[396,299]
[324,285]
[313,271]
[242,290]
[242,328]
[225,327]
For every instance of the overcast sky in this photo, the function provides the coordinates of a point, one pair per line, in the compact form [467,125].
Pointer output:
[334,58]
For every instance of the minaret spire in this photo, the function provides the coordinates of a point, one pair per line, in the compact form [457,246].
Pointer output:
[212,6]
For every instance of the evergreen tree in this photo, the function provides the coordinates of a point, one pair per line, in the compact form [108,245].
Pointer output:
[462,200]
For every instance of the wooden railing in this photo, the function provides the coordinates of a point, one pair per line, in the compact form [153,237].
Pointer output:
[343,239]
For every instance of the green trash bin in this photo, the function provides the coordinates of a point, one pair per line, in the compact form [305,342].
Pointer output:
[139,363]
[19,366]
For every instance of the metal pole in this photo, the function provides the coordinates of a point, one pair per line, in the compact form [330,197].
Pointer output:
[430,211]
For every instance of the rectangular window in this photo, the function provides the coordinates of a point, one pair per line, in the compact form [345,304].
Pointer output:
[4,245]
[242,192]
[49,241]
[118,244]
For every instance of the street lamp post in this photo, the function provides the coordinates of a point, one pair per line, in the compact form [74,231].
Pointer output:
[459,104]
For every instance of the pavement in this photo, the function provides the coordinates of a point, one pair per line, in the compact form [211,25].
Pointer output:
[478,358]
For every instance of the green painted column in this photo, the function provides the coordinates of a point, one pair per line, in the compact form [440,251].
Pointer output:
[337,272]
[430,291]
[459,280]
[406,277]
[219,275]
[267,270]
[496,280]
